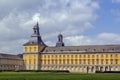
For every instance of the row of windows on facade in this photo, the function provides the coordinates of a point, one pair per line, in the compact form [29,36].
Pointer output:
[81,56]
[77,61]
[86,50]
[30,49]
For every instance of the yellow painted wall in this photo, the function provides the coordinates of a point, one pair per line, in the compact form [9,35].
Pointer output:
[83,57]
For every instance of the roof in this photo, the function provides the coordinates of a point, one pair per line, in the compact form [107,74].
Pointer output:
[10,56]
[89,48]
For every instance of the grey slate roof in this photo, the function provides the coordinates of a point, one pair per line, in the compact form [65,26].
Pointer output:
[10,56]
[89,48]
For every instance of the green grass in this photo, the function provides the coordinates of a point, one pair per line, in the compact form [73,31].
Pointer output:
[55,76]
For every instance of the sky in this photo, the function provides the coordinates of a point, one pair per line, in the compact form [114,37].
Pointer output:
[82,22]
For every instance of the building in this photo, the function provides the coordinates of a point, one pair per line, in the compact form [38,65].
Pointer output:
[84,59]
[10,62]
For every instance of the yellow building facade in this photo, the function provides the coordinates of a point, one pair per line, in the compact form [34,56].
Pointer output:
[82,59]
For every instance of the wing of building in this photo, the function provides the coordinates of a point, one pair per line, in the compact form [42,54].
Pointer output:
[9,62]
[84,59]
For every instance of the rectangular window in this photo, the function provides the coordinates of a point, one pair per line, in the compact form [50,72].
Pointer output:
[56,62]
[97,61]
[52,61]
[111,55]
[80,56]
[76,62]
[72,61]
[35,49]
[97,56]
[102,62]
[64,61]
[92,56]
[106,61]
[88,56]
[44,61]
[80,61]
[25,49]
[76,56]
[68,61]
[116,55]
[84,56]
[84,61]
[48,61]
[88,61]
[67,56]
[101,56]
[30,49]
[92,61]
[71,56]
[34,61]
[111,61]
[60,61]
[106,55]
[116,61]
[29,61]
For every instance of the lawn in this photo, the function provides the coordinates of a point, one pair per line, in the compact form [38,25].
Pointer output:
[55,76]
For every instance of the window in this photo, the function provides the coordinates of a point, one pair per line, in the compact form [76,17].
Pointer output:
[44,56]
[97,56]
[116,55]
[25,49]
[92,56]
[63,56]
[44,61]
[101,56]
[84,61]
[97,61]
[88,61]
[59,61]
[80,56]
[34,61]
[75,56]
[29,61]
[30,49]
[92,61]
[102,62]
[106,61]
[71,56]
[116,61]
[64,61]
[67,56]
[71,61]
[76,61]
[84,56]
[106,55]
[48,56]
[111,61]
[56,61]
[111,55]
[35,49]
[88,56]
[80,62]
[67,61]
[52,61]
[48,61]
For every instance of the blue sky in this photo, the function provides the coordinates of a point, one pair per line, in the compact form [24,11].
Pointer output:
[82,22]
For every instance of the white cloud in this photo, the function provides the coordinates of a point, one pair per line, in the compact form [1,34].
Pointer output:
[70,17]
[100,39]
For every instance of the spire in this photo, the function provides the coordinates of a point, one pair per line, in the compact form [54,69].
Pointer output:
[36,29]
[60,42]
[35,38]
